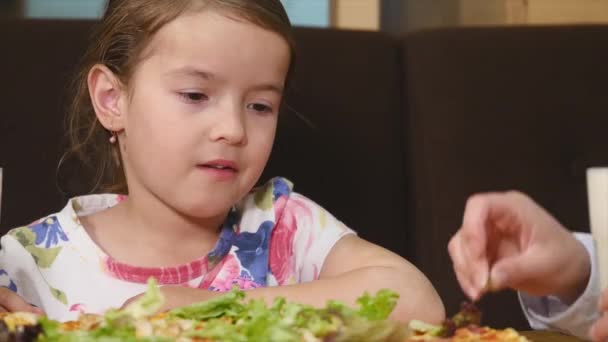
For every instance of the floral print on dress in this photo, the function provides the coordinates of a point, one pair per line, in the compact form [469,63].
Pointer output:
[40,239]
[48,232]
[223,245]
[282,256]
[80,308]
[266,196]
[6,281]
[233,273]
[252,251]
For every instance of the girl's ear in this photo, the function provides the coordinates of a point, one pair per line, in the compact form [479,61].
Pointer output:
[107,93]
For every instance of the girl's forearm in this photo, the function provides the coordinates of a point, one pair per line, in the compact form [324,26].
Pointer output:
[418,299]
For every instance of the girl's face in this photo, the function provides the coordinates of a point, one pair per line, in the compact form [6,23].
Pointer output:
[201,119]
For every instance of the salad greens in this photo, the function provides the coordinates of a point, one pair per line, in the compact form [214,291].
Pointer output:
[231,318]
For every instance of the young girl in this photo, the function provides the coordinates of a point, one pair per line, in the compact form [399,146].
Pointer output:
[179,100]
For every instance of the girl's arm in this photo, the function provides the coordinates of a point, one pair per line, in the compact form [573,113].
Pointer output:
[352,267]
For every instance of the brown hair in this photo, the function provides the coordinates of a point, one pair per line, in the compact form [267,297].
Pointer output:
[125,30]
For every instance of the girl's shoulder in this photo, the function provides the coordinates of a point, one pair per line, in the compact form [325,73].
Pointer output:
[276,201]
[55,230]
[275,196]
[275,192]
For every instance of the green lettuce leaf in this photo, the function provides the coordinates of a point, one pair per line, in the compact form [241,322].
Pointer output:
[148,304]
[378,307]
[426,328]
[229,305]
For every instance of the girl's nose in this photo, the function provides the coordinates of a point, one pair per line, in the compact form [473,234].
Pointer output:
[229,126]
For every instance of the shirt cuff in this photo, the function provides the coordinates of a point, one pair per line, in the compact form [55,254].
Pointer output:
[549,312]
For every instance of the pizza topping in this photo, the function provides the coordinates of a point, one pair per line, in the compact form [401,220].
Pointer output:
[468,315]
[16,319]
[19,326]
[465,326]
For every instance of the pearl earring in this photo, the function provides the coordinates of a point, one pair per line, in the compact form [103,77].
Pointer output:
[112,134]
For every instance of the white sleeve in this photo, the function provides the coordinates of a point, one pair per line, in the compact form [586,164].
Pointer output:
[18,271]
[317,233]
[550,313]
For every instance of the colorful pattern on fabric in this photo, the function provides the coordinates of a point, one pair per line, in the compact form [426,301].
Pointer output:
[272,237]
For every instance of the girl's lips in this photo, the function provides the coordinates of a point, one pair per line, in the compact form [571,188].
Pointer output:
[220,164]
[219,174]
[222,170]
[216,167]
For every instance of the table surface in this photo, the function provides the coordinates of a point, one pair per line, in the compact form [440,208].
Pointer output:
[549,336]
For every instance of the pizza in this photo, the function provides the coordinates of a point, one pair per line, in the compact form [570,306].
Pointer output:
[231,318]
[476,334]
[465,326]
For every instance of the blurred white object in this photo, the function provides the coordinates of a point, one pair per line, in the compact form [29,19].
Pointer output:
[597,191]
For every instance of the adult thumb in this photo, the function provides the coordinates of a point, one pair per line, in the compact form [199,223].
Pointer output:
[509,273]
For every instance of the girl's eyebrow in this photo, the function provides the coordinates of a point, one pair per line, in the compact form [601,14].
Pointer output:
[208,76]
[191,72]
[269,87]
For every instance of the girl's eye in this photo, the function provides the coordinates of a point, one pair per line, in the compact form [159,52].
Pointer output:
[259,107]
[193,97]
